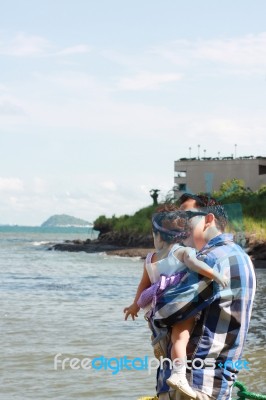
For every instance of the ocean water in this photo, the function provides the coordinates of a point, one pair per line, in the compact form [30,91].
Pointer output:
[69,307]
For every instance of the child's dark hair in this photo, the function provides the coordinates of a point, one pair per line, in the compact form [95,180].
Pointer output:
[168,223]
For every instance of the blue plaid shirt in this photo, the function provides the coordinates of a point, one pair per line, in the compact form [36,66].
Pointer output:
[224,316]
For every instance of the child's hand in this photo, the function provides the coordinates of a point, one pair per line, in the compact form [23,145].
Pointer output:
[222,280]
[132,311]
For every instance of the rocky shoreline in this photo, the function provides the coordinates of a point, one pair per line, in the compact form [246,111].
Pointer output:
[139,246]
[111,243]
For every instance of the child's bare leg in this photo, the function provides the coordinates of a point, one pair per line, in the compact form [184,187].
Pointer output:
[180,337]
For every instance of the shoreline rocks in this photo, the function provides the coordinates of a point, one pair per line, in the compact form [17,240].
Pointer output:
[108,242]
[117,244]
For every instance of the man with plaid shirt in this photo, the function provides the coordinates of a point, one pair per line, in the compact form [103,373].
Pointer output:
[223,314]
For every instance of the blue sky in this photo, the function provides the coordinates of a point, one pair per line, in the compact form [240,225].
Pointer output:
[98,98]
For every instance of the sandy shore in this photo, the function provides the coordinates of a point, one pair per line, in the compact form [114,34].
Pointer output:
[142,253]
[136,252]
[256,250]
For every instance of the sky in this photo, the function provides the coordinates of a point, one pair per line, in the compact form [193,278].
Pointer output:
[99,98]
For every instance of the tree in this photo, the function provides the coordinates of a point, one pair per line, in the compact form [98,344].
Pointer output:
[262,191]
[232,187]
[154,195]
[103,224]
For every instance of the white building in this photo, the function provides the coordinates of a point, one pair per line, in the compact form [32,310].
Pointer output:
[207,174]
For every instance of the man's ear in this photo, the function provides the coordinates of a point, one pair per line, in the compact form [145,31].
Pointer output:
[209,220]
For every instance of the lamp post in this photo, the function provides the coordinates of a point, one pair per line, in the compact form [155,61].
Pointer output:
[204,153]
[219,155]
[198,151]
[189,152]
[235,149]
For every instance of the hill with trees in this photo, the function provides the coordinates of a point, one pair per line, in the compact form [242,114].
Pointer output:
[65,220]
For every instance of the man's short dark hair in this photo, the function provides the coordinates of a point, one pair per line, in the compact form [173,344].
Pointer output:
[205,202]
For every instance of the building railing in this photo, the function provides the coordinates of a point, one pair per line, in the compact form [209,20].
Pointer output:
[222,158]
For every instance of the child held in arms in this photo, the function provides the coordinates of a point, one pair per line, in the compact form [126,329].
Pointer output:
[165,267]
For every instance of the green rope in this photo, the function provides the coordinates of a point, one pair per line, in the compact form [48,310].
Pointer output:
[243,393]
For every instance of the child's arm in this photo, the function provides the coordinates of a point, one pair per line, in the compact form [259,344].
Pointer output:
[189,258]
[133,309]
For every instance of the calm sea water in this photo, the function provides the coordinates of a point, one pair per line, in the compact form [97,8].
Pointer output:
[71,303]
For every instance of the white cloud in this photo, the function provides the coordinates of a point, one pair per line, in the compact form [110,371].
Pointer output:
[122,59]
[33,209]
[86,195]
[148,81]
[26,45]
[40,186]
[76,81]
[10,107]
[78,49]
[144,189]
[124,114]
[11,185]
[89,104]
[110,185]
[3,88]
[245,51]
[246,54]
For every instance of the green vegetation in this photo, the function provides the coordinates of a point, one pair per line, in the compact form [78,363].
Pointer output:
[139,223]
[252,205]
[246,210]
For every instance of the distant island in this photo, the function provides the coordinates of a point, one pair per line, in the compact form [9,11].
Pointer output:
[65,220]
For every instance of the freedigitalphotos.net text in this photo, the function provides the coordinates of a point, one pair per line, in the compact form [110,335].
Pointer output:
[145,363]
